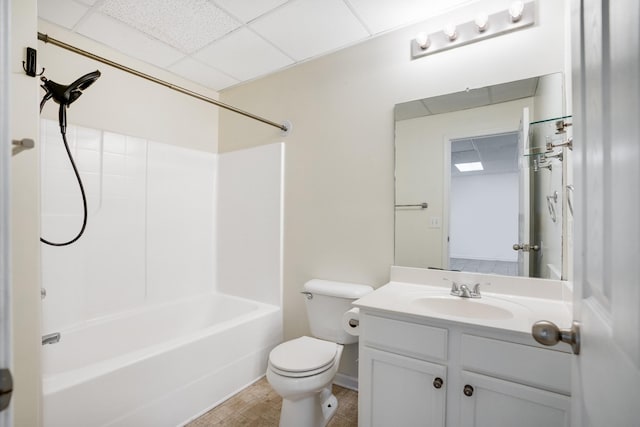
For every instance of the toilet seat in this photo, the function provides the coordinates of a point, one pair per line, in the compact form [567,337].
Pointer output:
[302,357]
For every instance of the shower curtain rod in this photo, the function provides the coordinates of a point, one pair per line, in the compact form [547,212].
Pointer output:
[45,38]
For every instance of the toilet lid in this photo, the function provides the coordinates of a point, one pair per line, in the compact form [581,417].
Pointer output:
[302,355]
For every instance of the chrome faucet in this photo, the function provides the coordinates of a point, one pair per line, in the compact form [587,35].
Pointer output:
[463,290]
[51,338]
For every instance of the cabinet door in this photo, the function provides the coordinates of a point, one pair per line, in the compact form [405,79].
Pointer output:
[496,403]
[397,390]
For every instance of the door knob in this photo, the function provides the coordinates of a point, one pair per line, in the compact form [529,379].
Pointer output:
[548,333]
[6,388]
[437,383]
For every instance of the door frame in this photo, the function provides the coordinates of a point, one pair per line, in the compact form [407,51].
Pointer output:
[6,416]
[446,179]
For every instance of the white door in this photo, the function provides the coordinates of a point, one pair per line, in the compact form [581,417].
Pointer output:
[606,73]
[524,207]
[5,341]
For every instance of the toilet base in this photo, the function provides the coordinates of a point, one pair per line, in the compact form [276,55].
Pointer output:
[311,411]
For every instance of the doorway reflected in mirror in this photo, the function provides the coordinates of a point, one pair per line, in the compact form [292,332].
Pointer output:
[518,214]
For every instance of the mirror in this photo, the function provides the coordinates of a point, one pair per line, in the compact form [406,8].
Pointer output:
[483,180]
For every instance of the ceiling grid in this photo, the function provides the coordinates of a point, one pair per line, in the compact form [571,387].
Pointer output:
[222,43]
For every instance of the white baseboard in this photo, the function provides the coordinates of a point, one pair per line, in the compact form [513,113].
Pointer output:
[346,381]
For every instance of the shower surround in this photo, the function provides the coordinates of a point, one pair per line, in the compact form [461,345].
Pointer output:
[171,301]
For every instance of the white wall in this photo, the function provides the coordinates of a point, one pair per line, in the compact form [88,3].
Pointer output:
[339,197]
[150,230]
[484,217]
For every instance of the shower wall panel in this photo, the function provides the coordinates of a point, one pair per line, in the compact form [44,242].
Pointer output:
[180,222]
[149,234]
[249,218]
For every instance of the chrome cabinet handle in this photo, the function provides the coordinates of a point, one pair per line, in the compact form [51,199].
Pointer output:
[548,333]
[468,390]
[437,383]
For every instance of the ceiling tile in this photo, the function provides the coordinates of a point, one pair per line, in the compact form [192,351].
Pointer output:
[202,74]
[65,13]
[243,55]
[247,10]
[187,25]
[410,110]
[458,101]
[382,15]
[306,28]
[514,90]
[119,36]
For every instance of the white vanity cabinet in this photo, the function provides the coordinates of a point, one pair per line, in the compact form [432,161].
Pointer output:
[413,392]
[418,372]
[493,402]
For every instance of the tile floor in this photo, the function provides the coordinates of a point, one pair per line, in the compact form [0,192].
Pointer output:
[259,406]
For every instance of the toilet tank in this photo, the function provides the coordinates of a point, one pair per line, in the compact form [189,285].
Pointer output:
[326,302]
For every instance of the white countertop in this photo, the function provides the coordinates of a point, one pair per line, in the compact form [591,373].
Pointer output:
[527,300]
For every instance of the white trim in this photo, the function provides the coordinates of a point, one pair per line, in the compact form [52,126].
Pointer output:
[6,417]
[346,381]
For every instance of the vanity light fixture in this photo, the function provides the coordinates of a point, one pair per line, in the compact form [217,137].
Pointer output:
[519,15]
[469,167]
[423,40]
[482,22]
[451,32]
[516,10]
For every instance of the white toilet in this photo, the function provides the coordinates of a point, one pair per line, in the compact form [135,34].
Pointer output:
[302,370]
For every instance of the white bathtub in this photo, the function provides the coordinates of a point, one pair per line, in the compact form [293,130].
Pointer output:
[157,366]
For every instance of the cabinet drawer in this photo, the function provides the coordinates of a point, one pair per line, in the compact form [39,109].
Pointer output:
[411,339]
[547,369]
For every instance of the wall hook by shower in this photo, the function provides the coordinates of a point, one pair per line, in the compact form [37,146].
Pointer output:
[29,66]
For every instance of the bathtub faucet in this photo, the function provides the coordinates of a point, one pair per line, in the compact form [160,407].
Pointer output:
[51,338]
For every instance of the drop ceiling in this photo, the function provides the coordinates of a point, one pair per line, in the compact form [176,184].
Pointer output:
[222,43]
[471,98]
[498,153]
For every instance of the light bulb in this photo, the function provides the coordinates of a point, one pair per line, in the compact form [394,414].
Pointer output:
[423,40]
[515,10]
[450,32]
[482,22]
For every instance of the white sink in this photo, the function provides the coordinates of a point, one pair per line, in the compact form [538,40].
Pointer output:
[476,308]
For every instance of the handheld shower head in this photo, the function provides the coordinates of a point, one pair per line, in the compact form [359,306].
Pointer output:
[65,95]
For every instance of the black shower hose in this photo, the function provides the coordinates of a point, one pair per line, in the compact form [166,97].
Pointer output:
[84,196]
